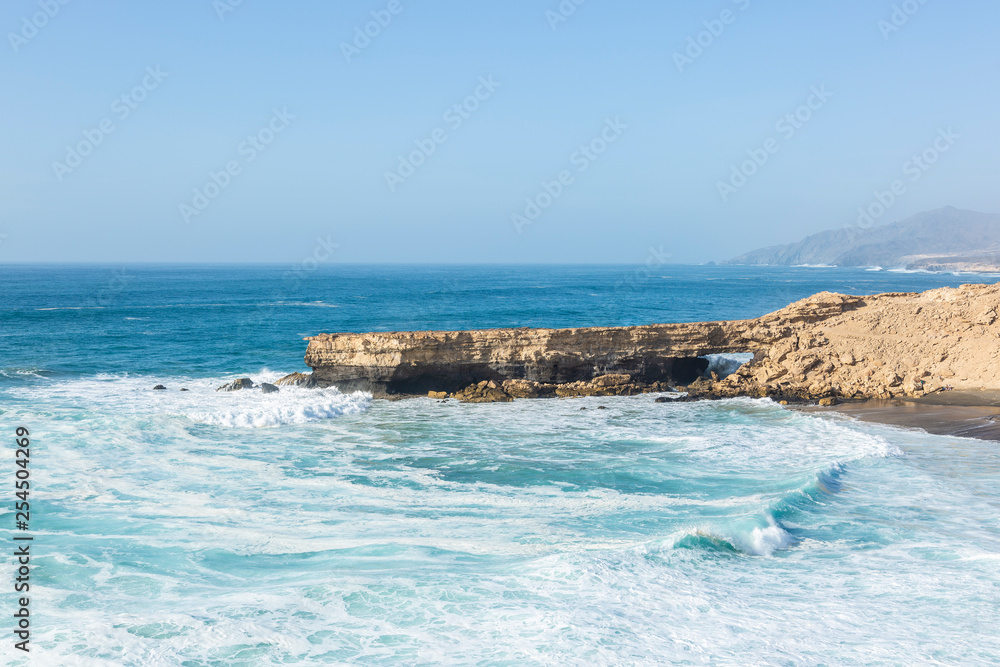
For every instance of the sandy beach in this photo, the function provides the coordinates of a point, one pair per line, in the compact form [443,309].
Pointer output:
[968,414]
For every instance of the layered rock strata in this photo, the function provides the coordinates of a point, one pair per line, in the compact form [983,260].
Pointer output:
[828,345]
[414,363]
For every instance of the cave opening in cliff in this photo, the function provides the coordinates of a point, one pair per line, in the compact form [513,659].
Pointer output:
[724,365]
[685,370]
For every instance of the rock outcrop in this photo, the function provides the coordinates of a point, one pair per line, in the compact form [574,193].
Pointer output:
[295,380]
[488,391]
[889,345]
[416,362]
[823,347]
[237,385]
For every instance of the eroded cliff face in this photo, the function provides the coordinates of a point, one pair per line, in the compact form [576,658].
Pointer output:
[422,361]
[829,345]
[891,345]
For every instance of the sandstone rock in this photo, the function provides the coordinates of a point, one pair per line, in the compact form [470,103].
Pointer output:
[987,316]
[486,391]
[411,363]
[437,394]
[236,385]
[268,388]
[522,389]
[611,380]
[823,346]
[829,401]
[577,389]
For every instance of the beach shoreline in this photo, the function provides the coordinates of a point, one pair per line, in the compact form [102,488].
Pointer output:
[966,414]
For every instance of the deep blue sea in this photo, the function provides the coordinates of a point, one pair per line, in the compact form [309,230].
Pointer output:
[313,527]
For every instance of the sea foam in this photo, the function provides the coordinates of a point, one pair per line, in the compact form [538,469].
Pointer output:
[247,408]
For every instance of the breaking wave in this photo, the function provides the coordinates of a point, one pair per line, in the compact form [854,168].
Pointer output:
[197,399]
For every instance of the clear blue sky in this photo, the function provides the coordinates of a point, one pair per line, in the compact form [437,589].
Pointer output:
[324,174]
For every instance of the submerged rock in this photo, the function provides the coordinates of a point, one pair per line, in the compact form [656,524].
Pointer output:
[159,387]
[268,388]
[236,385]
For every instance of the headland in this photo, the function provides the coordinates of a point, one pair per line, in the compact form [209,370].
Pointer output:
[828,347]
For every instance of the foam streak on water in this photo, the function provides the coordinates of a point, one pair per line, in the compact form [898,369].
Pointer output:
[313,526]
[316,527]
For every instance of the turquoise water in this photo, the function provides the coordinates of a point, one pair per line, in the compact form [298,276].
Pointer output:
[314,527]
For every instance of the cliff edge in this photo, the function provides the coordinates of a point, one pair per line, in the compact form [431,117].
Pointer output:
[892,345]
[826,346]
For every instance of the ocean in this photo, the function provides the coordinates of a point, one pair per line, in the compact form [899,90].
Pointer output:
[199,528]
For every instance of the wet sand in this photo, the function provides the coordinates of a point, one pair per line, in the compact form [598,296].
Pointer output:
[964,414]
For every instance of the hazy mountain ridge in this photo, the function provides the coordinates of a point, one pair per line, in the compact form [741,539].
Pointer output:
[946,239]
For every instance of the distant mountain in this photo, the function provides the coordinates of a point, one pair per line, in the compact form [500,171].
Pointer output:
[947,239]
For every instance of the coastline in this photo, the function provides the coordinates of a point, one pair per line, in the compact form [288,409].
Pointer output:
[956,269]
[829,348]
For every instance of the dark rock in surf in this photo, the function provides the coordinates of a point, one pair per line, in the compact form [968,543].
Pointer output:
[296,380]
[268,388]
[236,385]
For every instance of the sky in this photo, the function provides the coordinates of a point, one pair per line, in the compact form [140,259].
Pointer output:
[581,131]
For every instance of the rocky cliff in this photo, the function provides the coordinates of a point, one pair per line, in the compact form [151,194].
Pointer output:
[829,345]
[883,346]
[416,362]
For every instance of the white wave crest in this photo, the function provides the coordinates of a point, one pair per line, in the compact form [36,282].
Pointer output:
[765,541]
[291,406]
[753,541]
[726,364]
[200,402]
